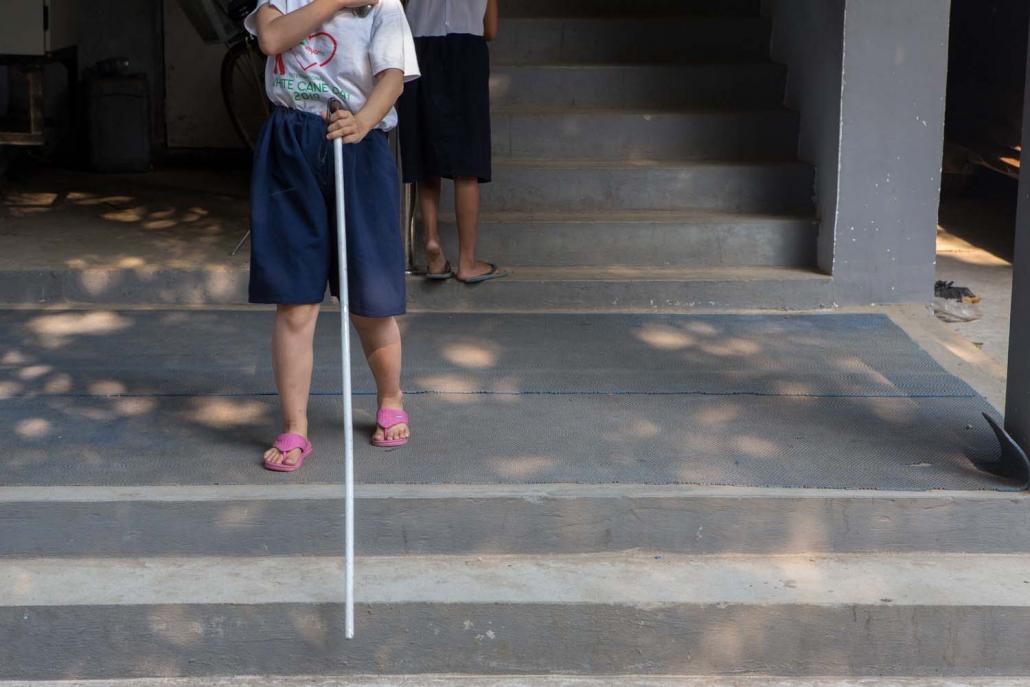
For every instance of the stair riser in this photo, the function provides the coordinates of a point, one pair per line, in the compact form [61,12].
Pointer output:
[639,86]
[128,286]
[600,295]
[559,8]
[532,41]
[194,288]
[520,526]
[763,135]
[307,639]
[769,188]
[770,243]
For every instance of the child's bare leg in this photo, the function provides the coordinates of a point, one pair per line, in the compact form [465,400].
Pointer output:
[381,341]
[429,202]
[466,203]
[293,359]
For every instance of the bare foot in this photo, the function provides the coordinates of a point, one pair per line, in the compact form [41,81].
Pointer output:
[473,270]
[436,261]
[400,431]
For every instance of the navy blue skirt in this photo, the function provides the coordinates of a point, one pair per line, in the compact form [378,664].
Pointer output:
[445,114]
[293,218]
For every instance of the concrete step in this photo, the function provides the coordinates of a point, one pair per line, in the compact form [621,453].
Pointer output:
[629,39]
[427,520]
[641,238]
[591,8]
[803,615]
[606,134]
[593,186]
[676,86]
[646,288]
[528,681]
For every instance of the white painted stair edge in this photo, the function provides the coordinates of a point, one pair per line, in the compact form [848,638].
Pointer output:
[636,580]
[527,681]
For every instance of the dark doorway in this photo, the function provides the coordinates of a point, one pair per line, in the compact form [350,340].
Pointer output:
[982,152]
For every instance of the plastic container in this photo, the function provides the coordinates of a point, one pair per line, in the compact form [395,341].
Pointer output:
[952,310]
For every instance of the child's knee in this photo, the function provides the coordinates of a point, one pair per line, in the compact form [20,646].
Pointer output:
[376,332]
[372,324]
[297,318]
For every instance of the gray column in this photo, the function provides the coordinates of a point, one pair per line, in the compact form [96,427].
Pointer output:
[1017,404]
[870,78]
[892,124]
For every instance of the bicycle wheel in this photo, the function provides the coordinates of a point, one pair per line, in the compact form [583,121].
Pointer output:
[243,88]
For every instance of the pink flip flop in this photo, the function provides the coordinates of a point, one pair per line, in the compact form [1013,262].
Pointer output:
[387,418]
[285,443]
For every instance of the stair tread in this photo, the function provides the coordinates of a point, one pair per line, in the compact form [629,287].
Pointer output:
[630,216]
[721,61]
[635,163]
[639,110]
[616,273]
[627,16]
[631,16]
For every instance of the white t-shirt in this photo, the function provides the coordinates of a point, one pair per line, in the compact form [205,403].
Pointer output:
[441,17]
[340,59]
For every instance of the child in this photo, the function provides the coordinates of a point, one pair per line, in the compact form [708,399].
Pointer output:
[445,124]
[319,49]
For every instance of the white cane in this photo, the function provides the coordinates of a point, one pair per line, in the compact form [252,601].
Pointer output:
[348,417]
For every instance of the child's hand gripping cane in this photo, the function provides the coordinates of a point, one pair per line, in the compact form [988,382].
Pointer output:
[344,124]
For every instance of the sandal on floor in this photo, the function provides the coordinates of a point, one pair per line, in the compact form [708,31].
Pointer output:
[447,273]
[285,443]
[385,419]
[494,273]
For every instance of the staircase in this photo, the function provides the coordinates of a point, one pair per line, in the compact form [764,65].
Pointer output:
[642,158]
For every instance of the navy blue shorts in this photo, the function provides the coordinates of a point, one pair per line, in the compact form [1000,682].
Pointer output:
[445,114]
[293,218]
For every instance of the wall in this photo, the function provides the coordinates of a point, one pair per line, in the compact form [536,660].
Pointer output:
[195,112]
[808,37]
[131,29]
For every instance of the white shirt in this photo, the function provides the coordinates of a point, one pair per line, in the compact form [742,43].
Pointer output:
[441,17]
[340,59]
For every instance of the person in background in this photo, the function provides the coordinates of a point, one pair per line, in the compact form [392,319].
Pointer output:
[445,125]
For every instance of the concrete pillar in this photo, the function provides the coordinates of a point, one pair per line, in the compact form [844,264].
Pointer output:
[1013,462]
[892,104]
[1017,402]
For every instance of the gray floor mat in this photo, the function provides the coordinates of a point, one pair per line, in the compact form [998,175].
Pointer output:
[837,401]
[226,352]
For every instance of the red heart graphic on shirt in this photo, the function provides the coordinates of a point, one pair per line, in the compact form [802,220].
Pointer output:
[317,50]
